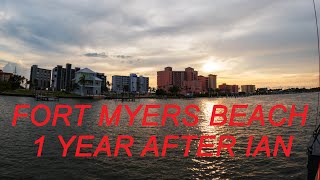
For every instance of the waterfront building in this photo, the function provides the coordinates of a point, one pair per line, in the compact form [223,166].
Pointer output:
[69,76]
[58,78]
[87,82]
[192,87]
[212,81]
[228,89]
[169,78]
[191,84]
[188,81]
[39,78]
[62,78]
[248,89]
[204,83]
[131,83]
[120,83]
[262,91]
[103,81]
[165,79]
[4,76]
[143,85]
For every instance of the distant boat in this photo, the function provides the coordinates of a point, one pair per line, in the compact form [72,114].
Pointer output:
[189,95]
[99,97]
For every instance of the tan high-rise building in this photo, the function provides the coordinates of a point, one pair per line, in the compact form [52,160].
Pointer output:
[212,81]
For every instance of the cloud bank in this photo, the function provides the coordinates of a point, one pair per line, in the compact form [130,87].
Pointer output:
[268,42]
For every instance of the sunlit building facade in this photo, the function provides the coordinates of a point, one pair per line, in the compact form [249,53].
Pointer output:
[228,89]
[132,84]
[188,81]
[248,89]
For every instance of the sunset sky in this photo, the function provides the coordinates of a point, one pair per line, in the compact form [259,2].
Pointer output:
[269,43]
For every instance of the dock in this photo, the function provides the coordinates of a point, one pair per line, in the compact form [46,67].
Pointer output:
[123,98]
[46,98]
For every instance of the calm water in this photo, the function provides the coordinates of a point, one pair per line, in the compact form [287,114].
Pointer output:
[18,152]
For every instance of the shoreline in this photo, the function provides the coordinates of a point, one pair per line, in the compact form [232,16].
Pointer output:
[146,97]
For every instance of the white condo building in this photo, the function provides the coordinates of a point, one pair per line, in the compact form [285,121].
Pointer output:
[120,83]
[132,84]
[87,82]
[143,84]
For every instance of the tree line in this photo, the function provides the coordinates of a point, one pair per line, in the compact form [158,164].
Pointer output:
[14,82]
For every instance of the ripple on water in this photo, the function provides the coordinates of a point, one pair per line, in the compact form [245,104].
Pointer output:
[18,154]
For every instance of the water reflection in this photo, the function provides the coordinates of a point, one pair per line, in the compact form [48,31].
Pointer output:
[205,116]
[18,160]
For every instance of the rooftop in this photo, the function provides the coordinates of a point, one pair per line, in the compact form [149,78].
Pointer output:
[86,70]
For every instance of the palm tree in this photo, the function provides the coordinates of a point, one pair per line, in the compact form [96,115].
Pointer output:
[74,86]
[22,80]
[126,88]
[108,86]
[82,81]
[210,92]
[26,83]
[217,91]
[174,90]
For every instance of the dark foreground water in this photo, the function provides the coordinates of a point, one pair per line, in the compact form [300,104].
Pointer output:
[18,152]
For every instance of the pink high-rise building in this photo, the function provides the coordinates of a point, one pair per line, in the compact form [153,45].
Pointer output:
[204,83]
[225,88]
[188,81]
[164,78]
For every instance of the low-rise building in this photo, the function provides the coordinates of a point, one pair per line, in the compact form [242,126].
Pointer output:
[262,91]
[228,89]
[4,76]
[248,89]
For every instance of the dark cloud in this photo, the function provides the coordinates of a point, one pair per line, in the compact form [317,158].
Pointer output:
[101,55]
[122,56]
[152,34]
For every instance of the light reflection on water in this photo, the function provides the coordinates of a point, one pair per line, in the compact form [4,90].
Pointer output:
[18,154]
